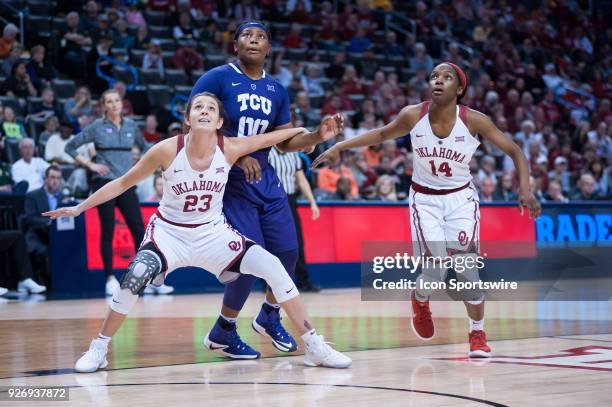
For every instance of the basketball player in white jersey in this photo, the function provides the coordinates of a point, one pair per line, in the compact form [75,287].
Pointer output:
[443,202]
[189,228]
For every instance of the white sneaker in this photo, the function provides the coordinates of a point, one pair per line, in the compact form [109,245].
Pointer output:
[112,285]
[93,359]
[319,353]
[29,285]
[3,291]
[162,289]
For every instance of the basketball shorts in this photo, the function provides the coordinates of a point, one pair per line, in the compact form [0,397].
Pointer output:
[261,211]
[443,225]
[214,246]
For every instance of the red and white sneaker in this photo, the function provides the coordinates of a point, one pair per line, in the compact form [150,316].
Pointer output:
[478,345]
[421,321]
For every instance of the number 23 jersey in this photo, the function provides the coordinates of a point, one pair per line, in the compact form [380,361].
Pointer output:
[442,163]
[251,106]
[194,197]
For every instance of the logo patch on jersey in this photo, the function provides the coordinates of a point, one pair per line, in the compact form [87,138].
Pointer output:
[271,88]
[175,170]
[463,238]
[420,135]
[253,86]
[220,170]
[236,84]
[460,138]
[234,245]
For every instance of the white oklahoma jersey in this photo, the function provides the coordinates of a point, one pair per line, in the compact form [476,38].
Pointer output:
[443,202]
[442,163]
[189,228]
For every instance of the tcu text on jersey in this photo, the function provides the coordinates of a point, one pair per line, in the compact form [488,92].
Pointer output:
[248,126]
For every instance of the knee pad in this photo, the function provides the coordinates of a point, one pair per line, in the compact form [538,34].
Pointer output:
[144,267]
[261,263]
[123,301]
[467,271]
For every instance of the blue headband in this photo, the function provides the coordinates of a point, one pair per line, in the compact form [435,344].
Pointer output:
[251,24]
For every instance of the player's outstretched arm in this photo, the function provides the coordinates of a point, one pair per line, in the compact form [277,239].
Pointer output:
[326,130]
[236,147]
[398,127]
[153,159]
[480,123]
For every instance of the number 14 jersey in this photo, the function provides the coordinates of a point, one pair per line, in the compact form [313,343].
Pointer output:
[442,163]
[194,197]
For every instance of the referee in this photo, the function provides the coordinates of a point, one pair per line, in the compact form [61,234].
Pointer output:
[288,167]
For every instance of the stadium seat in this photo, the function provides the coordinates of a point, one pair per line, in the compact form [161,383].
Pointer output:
[357,99]
[12,102]
[40,7]
[316,102]
[35,126]
[354,59]
[67,170]
[297,54]
[222,23]
[123,75]
[159,32]
[155,17]
[17,4]
[32,101]
[213,60]
[167,44]
[176,77]
[120,53]
[195,75]
[136,57]
[11,147]
[325,56]
[158,95]
[64,88]
[182,90]
[167,56]
[280,27]
[59,24]
[39,24]
[150,77]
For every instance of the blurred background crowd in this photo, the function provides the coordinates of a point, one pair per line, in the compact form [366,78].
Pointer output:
[540,69]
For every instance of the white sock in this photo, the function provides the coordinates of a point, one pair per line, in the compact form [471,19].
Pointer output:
[104,339]
[277,306]
[228,319]
[309,336]
[476,325]
[419,297]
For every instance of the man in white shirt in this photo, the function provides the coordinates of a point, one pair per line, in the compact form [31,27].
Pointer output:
[54,149]
[29,168]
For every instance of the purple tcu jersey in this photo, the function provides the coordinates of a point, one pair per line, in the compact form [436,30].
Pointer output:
[251,106]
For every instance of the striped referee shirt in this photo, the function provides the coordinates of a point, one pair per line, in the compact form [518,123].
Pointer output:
[286,165]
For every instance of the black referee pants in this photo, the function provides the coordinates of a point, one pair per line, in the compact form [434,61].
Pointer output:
[129,207]
[301,270]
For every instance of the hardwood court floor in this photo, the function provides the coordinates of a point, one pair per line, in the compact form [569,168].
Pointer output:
[549,353]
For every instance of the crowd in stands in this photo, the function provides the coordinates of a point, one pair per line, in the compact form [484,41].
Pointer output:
[540,70]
